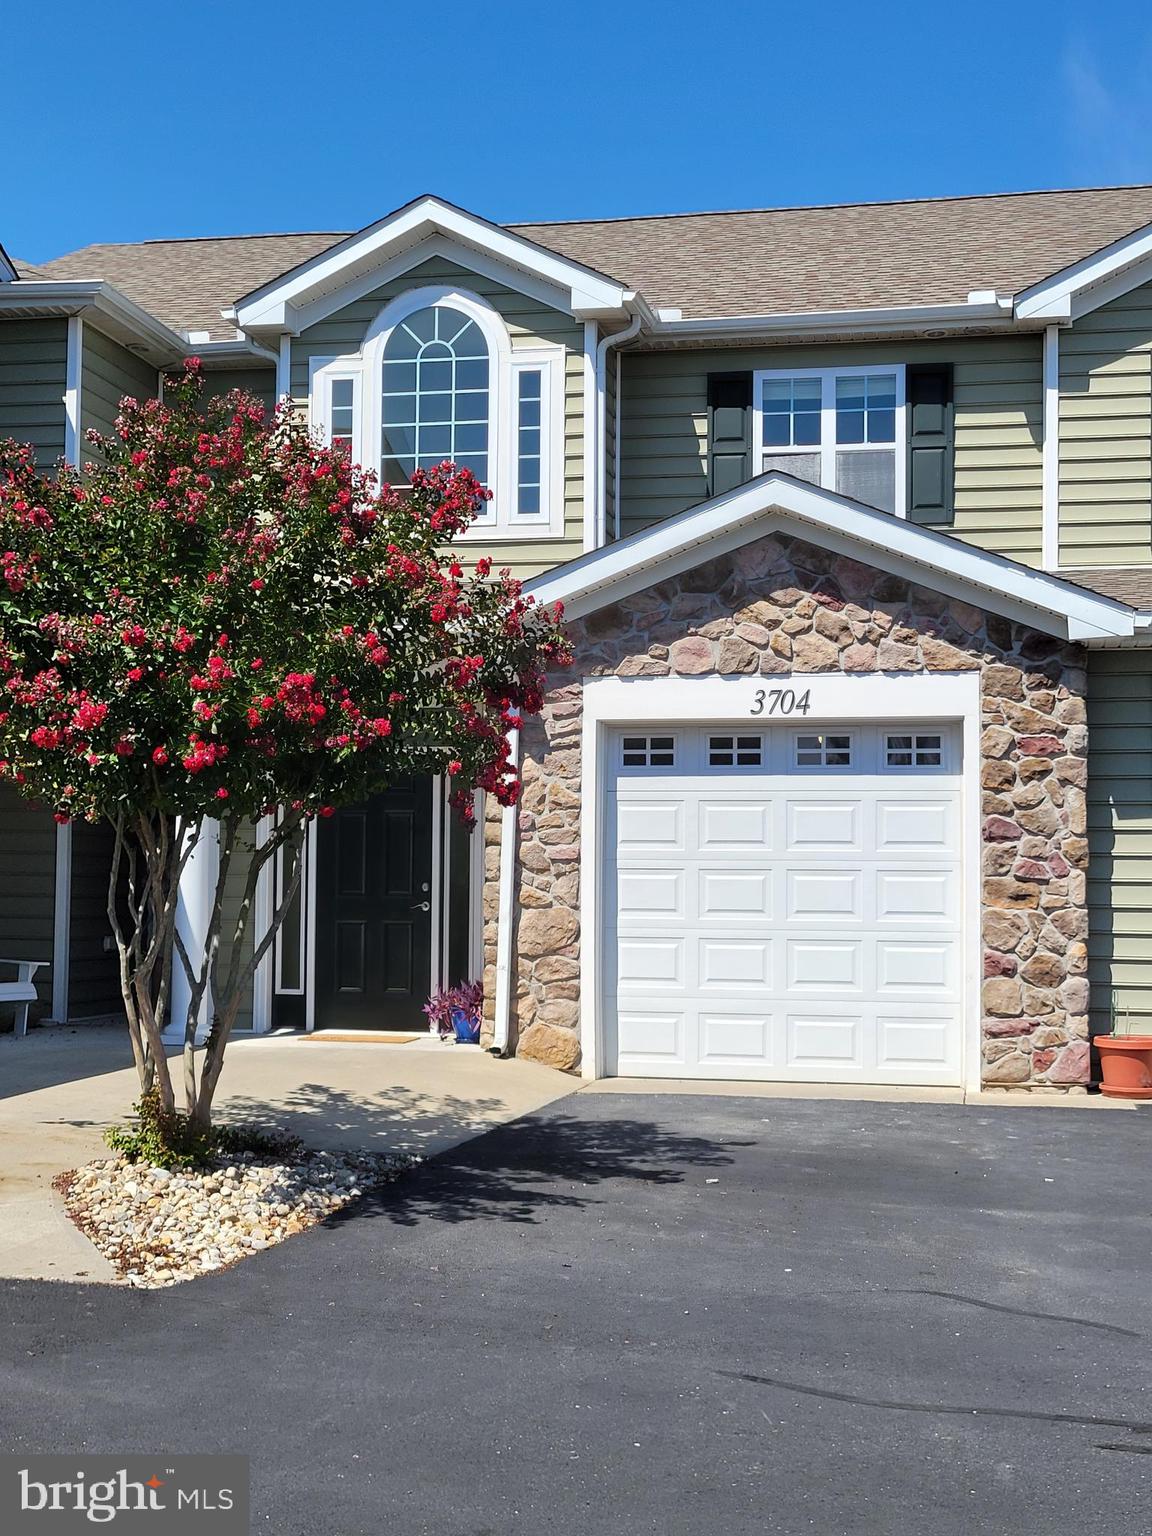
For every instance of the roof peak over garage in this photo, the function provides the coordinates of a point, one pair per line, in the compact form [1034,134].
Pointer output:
[778,503]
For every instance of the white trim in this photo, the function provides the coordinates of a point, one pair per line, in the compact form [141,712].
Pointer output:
[1068,292]
[981,310]
[73,378]
[105,307]
[270,307]
[1050,456]
[476,888]
[616,517]
[263,906]
[612,702]
[323,372]
[194,899]
[438,926]
[284,369]
[614,340]
[310,866]
[591,385]
[549,523]
[509,859]
[775,502]
[828,447]
[436,248]
[62,923]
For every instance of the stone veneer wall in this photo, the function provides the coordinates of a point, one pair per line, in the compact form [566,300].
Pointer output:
[780,606]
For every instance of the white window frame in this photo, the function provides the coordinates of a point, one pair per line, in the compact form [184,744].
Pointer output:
[323,372]
[499,519]
[828,447]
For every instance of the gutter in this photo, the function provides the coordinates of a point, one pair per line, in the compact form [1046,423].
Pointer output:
[101,305]
[615,339]
[982,307]
[509,821]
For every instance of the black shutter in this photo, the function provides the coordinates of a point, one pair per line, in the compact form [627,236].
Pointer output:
[931,443]
[729,431]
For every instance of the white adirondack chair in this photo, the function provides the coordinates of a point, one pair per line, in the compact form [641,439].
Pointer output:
[22,991]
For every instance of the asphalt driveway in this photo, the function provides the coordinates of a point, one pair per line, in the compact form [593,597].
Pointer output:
[661,1314]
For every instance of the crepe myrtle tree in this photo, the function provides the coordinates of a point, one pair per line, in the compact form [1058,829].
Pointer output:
[223,620]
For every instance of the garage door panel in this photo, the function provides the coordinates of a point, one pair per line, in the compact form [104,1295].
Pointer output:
[824,826]
[919,1040]
[822,965]
[734,894]
[646,893]
[651,1036]
[650,825]
[781,925]
[826,894]
[735,826]
[725,964]
[825,1040]
[917,896]
[903,826]
[735,1037]
[916,966]
[651,962]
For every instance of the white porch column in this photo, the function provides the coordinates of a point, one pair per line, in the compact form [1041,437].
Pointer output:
[193,914]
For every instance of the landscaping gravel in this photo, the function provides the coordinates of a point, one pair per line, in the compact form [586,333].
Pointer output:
[158,1227]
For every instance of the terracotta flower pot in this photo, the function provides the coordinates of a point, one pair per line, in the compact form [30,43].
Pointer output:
[1126,1062]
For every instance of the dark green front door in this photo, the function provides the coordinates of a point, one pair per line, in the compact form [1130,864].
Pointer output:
[374,911]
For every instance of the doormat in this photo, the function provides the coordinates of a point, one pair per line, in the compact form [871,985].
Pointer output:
[361,1037]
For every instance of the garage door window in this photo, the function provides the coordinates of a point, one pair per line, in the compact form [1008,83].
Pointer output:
[735,751]
[823,751]
[914,751]
[648,752]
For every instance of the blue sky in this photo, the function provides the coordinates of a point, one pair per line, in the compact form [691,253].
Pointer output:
[132,121]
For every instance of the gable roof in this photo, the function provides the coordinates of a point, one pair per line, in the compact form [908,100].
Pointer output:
[777,502]
[753,262]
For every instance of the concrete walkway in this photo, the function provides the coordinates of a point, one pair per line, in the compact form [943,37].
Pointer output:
[61,1087]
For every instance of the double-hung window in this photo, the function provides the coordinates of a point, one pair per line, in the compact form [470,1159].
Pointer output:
[841,428]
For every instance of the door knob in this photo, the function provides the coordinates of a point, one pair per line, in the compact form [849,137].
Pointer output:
[421,906]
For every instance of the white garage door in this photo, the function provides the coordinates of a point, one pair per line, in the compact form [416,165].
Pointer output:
[785,904]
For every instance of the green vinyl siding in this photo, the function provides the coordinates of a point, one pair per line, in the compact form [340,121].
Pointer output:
[1106,434]
[27,891]
[997,384]
[1120,834]
[530,323]
[260,382]
[108,373]
[33,376]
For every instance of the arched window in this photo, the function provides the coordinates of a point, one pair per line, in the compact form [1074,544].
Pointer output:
[436,395]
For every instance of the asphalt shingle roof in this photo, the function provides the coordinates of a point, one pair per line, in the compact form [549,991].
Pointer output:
[761,261]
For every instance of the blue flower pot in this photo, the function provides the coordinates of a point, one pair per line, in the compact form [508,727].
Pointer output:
[466,1026]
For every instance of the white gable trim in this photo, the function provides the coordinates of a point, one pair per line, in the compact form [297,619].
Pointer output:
[277,305]
[777,502]
[473,262]
[1095,280]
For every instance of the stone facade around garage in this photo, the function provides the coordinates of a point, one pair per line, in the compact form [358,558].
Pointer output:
[781,606]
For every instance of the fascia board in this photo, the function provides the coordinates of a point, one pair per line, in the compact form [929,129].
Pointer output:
[269,307]
[1037,301]
[776,502]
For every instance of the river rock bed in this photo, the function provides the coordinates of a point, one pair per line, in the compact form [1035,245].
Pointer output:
[158,1227]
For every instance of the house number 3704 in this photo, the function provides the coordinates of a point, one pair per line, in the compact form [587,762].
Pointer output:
[781,701]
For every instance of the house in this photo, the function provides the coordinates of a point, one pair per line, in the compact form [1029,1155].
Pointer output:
[850,509]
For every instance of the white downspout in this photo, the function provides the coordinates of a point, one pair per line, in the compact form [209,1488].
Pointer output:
[606,344]
[502,1021]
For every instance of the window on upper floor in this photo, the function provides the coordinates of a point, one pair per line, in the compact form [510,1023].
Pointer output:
[440,378]
[435,394]
[841,428]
